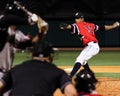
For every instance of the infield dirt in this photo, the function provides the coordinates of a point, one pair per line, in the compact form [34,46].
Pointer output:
[105,86]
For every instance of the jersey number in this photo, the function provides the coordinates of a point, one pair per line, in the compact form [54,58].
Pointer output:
[89,29]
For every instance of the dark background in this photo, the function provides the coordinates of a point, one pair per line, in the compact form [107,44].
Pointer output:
[59,11]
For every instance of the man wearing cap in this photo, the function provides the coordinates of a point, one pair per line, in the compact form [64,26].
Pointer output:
[86,33]
[39,76]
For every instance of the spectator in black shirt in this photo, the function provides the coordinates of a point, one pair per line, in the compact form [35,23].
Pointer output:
[39,76]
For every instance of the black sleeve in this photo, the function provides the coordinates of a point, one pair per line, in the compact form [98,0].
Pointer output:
[13,20]
[65,80]
[102,27]
[74,29]
[23,45]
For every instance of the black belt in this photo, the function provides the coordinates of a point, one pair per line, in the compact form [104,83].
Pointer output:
[93,42]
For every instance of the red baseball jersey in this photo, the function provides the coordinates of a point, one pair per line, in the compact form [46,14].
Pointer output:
[86,31]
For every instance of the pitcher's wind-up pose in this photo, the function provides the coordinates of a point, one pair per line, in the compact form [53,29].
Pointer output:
[86,33]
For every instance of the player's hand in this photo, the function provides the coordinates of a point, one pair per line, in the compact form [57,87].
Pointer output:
[116,24]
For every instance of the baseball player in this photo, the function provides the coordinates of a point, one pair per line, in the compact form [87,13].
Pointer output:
[15,36]
[86,32]
[12,37]
[12,18]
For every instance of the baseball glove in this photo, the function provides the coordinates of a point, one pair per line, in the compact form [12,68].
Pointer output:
[63,26]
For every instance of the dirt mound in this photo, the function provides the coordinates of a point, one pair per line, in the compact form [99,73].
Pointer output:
[105,86]
[108,86]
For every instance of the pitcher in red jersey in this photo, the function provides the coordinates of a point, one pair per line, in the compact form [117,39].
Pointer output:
[86,33]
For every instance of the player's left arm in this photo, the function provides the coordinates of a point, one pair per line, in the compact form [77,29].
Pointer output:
[114,25]
[107,27]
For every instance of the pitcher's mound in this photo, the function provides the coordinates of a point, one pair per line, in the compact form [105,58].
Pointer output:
[108,86]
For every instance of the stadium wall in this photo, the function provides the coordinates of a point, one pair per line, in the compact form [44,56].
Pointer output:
[64,39]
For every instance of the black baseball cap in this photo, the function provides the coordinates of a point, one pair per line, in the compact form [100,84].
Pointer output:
[79,15]
[42,49]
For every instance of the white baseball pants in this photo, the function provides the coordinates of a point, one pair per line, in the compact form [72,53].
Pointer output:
[88,52]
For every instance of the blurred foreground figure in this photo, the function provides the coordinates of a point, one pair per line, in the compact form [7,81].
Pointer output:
[39,76]
[11,37]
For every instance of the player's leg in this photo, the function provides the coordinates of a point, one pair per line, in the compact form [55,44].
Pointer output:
[84,56]
[93,50]
[79,62]
[86,66]
[75,69]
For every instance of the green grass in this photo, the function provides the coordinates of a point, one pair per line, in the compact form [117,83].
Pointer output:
[109,75]
[67,58]
[104,58]
[20,57]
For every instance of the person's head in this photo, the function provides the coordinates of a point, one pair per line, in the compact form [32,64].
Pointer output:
[85,81]
[12,9]
[43,51]
[79,17]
